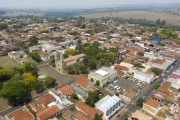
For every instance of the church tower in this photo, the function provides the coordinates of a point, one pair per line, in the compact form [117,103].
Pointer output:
[59,61]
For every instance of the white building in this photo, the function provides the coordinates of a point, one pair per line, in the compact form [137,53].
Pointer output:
[163,64]
[175,83]
[150,55]
[50,47]
[109,105]
[103,75]
[145,77]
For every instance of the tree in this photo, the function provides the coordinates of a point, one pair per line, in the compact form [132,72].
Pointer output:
[179,89]
[137,64]
[6,73]
[3,26]
[140,102]
[74,33]
[29,66]
[69,52]
[14,90]
[37,86]
[35,56]
[70,70]
[50,82]
[157,86]
[83,69]
[92,98]
[74,96]
[44,31]
[98,82]
[33,40]
[168,34]
[28,79]
[115,50]
[178,41]
[156,71]
[97,117]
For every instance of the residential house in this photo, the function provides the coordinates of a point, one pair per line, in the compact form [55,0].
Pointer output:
[128,95]
[20,114]
[66,114]
[152,106]
[139,115]
[88,110]
[78,115]
[48,113]
[163,64]
[66,90]
[44,100]
[85,84]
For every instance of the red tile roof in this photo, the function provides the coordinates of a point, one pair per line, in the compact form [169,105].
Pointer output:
[66,90]
[46,99]
[81,116]
[21,114]
[48,112]
[90,111]
[153,103]
[82,81]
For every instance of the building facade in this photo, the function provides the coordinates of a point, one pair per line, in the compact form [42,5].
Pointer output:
[109,106]
[103,75]
[145,77]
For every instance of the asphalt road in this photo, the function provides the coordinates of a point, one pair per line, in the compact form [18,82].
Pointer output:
[148,91]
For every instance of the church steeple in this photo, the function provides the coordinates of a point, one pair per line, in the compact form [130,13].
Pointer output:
[59,61]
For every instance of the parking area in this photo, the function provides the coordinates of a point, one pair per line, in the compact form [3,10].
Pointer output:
[126,83]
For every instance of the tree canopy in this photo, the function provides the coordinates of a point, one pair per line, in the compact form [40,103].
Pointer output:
[69,52]
[33,40]
[168,34]
[92,98]
[13,90]
[35,56]
[97,117]
[50,82]
[3,26]
[6,73]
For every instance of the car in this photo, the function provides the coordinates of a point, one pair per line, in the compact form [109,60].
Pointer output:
[115,87]
[118,88]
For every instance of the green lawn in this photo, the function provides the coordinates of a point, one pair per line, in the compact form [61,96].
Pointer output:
[6,61]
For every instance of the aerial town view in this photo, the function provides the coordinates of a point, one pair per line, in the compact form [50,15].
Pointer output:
[89,60]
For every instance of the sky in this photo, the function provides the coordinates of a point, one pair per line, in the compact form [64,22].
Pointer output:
[74,3]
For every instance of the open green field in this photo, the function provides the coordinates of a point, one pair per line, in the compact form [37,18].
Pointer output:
[138,14]
[6,61]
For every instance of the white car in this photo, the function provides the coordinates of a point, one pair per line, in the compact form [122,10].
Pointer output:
[115,87]
[118,88]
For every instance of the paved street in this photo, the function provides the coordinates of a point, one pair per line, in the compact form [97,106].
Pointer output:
[147,91]
[61,79]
